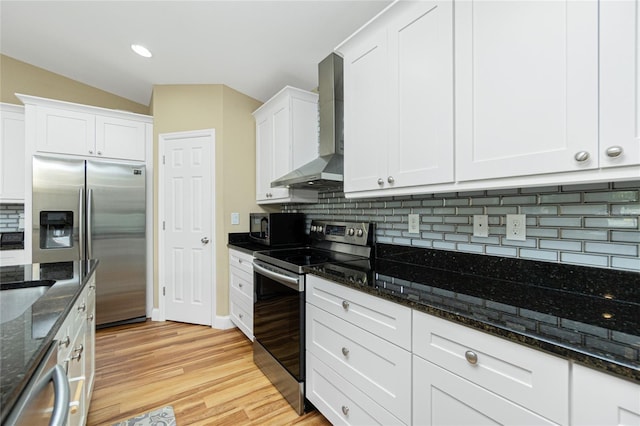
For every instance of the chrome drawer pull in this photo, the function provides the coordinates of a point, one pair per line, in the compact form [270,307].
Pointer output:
[345,305]
[345,351]
[471,357]
[581,156]
[345,410]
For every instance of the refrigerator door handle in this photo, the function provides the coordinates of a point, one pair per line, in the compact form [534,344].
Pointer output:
[88,219]
[81,222]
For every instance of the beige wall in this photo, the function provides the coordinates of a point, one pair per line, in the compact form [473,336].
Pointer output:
[175,108]
[195,107]
[20,77]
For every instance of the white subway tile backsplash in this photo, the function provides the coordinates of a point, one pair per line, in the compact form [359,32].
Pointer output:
[584,259]
[607,248]
[593,224]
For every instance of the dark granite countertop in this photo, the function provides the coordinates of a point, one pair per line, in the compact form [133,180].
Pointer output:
[26,337]
[240,241]
[588,315]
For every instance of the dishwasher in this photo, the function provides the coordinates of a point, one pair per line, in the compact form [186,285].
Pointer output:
[45,400]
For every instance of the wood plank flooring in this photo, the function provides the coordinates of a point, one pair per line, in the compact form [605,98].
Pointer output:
[207,375]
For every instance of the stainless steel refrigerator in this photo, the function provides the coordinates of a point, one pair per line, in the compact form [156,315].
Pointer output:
[85,209]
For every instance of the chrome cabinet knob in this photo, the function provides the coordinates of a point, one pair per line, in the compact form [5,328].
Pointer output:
[99,152]
[345,410]
[65,342]
[204,240]
[82,308]
[90,317]
[345,305]
[91,151]
[471,357]
[241,316]
[581,156]
[380,181]
[345,351]
[390,179]
[614,151]
[240,285]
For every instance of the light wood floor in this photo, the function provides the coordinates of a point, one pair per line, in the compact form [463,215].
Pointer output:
[207,375]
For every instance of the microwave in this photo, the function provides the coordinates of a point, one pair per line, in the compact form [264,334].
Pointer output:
[277,229]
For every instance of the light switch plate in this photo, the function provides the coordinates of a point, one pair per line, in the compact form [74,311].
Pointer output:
[235,218]
[414,223]
[480,225]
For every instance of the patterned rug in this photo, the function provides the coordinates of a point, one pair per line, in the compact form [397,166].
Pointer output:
[160,417]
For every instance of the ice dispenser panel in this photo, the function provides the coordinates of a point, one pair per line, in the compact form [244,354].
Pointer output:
[56,229]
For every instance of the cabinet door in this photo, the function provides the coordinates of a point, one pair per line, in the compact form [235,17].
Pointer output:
[366,116]
[265,154]
[421,98]
[282,146]
[65,132]
[89,351]
[602,400]
[619,83]
[119,138]
[526,87]
[442,398]
[12,151]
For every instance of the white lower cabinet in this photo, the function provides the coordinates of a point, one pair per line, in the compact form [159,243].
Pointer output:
[76,353]
[372,361]
[375,374]
[441,397]
[526,377]
[241,291]
[600,399]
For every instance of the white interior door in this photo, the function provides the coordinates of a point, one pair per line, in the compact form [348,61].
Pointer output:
[187,252]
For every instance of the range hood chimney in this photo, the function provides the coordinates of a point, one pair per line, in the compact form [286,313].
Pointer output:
[326,171]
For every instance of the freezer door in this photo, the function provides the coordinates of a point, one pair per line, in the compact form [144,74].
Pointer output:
[58,198]
[116,237]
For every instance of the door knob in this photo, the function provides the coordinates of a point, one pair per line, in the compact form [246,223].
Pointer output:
[204,240]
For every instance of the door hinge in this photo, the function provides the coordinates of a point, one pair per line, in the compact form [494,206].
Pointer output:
[163,224]
[164,292]
[163,159]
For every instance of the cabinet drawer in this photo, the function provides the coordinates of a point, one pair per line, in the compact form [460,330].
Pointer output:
[379,369]
[241,311]
[339,401]
[440,397]
[241,261]
[525,376]
[241,281]
[376,315]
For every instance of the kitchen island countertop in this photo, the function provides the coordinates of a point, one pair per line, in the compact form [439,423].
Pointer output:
[26,338]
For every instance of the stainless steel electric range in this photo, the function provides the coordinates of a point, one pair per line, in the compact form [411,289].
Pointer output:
[279,312]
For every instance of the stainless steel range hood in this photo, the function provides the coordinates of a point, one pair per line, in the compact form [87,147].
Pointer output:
[326,171]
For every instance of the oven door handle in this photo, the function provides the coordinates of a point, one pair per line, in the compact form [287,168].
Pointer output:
[284,279]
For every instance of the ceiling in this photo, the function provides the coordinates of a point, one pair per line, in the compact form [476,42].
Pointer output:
[255,47]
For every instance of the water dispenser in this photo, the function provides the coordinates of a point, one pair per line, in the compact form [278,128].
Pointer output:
[56,229]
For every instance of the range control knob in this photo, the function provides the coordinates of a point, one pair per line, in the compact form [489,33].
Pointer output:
[313,228]
[319,228]
[360,232]
[351,232]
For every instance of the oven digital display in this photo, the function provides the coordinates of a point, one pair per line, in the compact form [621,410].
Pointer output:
[335,230]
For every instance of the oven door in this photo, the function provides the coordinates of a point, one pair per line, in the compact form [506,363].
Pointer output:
[278,315]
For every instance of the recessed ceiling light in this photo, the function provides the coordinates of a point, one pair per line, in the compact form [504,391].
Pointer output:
[141,50]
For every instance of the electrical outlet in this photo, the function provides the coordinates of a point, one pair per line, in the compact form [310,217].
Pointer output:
[235,218]
[516,227]
[480,225]
[414,223]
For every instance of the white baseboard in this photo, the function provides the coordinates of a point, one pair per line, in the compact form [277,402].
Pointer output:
[156,315]
[223,322]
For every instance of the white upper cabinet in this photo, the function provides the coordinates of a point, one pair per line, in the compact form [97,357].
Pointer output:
[66,128]
[619,83]
[526,87]
[120,138]
[12,153]
[286,138]
[398,79]
[481,94]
